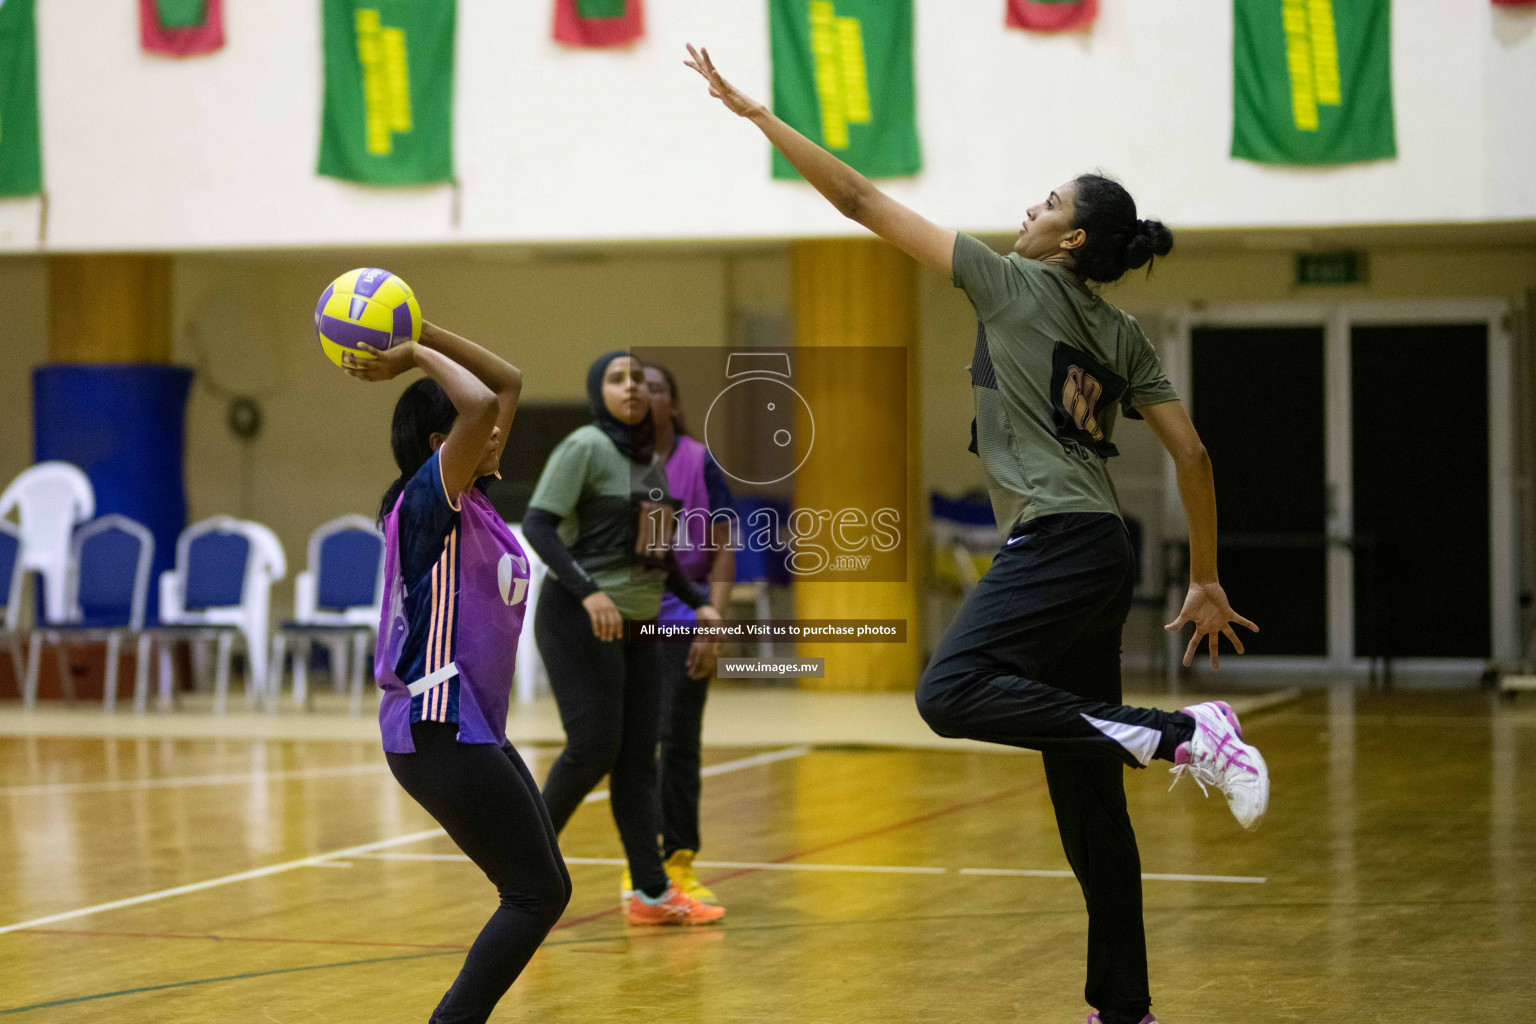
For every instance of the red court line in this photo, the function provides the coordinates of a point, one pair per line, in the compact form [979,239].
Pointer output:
[237,938]
[955,808]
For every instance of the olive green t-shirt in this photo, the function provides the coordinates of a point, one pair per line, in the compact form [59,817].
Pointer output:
[1053,366]
[590,484]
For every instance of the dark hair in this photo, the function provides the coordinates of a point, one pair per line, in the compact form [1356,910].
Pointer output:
[423,410]
[1117,241]
[678,426]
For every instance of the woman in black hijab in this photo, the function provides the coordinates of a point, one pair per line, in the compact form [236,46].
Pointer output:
[601,519]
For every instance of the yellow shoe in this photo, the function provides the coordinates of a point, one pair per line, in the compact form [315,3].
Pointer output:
[626,889]
[680,869]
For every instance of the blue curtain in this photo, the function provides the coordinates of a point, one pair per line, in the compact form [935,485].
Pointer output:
[124,424]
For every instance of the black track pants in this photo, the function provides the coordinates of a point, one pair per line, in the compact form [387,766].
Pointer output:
[1033,660]
[610,704]
[486,800]
[682,729]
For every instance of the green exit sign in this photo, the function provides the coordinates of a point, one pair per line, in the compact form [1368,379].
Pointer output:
[1330,268]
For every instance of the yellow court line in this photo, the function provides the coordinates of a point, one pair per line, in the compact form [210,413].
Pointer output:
[891,869]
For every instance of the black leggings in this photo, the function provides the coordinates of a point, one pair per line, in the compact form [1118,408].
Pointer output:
[682,727]
[488,803]
[1033,660]
[610,704]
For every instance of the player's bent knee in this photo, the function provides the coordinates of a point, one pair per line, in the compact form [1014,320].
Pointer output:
[935,709]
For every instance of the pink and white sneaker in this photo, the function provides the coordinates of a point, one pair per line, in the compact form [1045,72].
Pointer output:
[1093,1018]
[1216,755]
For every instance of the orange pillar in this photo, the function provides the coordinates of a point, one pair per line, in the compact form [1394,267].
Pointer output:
[109,309]
[855,293]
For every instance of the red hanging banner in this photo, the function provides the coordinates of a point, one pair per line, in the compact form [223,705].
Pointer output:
[598,22]
[1052,15]
[171,27]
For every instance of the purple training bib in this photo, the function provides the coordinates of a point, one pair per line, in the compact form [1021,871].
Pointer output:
[492,584]
[685,480]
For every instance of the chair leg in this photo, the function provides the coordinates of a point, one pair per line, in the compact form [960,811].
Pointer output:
[109,683]
[167,677]
[221,677]
[302,648]
[336,658]
[66,677]
[18,660]
[255,665]
[359,656]
[141,673]
[34,661]
[274,687]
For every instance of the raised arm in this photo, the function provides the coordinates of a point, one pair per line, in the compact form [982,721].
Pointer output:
[464,449]
[854,196]
[1206,603]
[504,379]
[482,386]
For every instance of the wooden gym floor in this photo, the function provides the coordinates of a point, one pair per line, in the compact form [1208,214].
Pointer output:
[290,881]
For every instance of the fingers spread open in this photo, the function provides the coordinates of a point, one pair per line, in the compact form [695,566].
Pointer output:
[1231,634]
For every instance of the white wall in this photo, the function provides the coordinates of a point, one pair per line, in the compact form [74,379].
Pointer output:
[144,152]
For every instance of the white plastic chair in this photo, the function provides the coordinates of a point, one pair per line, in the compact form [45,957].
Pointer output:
[107,588]
[336,600]
[221,588]
[11,574]
[530,678]
[51,499]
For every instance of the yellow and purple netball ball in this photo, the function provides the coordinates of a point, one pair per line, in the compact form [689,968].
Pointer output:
[367,305]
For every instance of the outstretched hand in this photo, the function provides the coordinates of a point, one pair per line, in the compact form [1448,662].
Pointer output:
[736,101]
[1206,606]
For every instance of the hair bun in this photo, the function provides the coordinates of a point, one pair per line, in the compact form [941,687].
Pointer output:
[1150,238]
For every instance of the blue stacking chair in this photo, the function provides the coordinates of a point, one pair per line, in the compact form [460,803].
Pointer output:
[336,602]
[106,588]
[220,591]
[11,573]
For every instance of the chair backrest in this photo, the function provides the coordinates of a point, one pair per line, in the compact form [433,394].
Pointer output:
[214,558]
[109,572]
[347,557]
[11,573]
[50,499]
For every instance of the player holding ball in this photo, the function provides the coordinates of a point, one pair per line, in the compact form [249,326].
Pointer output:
[455,595]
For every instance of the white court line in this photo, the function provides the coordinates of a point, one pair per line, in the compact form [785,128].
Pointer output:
[892,869]
[189,781]
[1014,873]
[211,883]
[348,852]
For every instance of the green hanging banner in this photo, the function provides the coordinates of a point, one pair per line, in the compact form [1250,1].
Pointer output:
[21,160]
[388,116]
[1312,81]
[842,75]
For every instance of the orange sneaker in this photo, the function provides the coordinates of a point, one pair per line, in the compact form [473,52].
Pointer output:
[677,907]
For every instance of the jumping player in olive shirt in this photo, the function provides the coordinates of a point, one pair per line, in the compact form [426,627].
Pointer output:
[1033,659]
